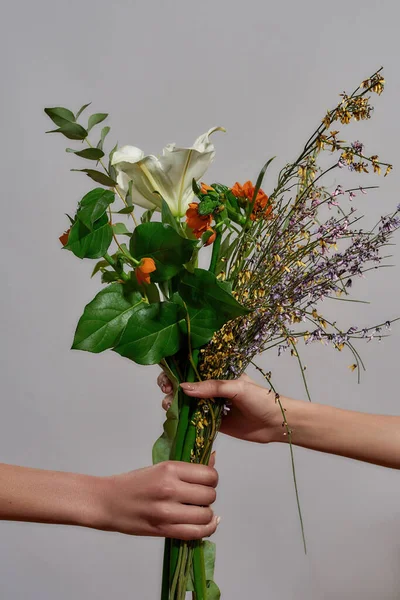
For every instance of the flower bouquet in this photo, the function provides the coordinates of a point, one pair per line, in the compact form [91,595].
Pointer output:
[272,258]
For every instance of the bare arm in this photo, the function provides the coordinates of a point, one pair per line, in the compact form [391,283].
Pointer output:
[171,499]
[367,437]
[256,416]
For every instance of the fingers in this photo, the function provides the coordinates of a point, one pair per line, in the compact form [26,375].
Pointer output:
[200,474]
[167,401]
[193,532]
[198,495]
[164,383]
[213,388]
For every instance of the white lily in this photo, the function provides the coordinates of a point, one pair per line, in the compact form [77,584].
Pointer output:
[170,175]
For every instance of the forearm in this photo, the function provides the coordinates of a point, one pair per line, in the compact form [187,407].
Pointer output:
[43,496]
[366,437]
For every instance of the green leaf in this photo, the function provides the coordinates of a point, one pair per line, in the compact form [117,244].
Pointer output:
[112,153]
[167,217]
[146,216]
[162,447]
[126,210]
[121,229]
[152,293]
[93,206]
[209,549]
[259,181]
[213,591]
[89,153]
[99,266]
[98,176]
[104,133]
[71,220]
[201,289]
[105,317]
[164,245]
[90,243]
[225,252]
[204,321]
[109,276]
[80,111]
[59,115]
[72,131]
[128,197]
[152,333]
[95,119]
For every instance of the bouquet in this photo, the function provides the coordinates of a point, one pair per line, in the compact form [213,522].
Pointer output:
[275,251]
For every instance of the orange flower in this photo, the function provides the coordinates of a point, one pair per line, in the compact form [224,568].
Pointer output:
[261,205]
[199,223]
[64,237]
[212,237]
[205,188]
[147,266]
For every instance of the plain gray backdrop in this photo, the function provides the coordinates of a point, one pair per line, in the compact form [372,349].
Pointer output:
[168,71]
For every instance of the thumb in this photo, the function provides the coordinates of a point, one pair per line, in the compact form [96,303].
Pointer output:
[213,388]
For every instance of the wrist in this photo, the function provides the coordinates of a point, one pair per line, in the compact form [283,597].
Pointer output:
[286,417]
[93,500]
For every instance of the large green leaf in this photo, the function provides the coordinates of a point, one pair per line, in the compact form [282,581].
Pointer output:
[152,333]
[201,289]
[60,115]
[90,243]
[93,206]
[105,317]
[164,245]
[72,131]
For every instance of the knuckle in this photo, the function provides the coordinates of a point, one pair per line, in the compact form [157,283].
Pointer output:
[168,468]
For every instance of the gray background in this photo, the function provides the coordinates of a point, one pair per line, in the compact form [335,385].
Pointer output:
[167,71]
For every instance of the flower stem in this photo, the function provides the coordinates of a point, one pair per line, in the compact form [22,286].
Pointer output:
[215,252]
[199,572]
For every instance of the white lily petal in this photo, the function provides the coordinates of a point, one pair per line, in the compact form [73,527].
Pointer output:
[170,175]
[182,165]
[129,154]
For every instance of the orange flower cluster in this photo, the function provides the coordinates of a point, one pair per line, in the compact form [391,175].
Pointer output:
[199,223]
[142,271]
[262,207]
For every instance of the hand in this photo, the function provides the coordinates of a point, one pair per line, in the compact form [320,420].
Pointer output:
[170,499]
[254,415]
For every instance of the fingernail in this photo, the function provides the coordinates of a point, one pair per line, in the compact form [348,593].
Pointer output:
[187,386]
[218,520]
